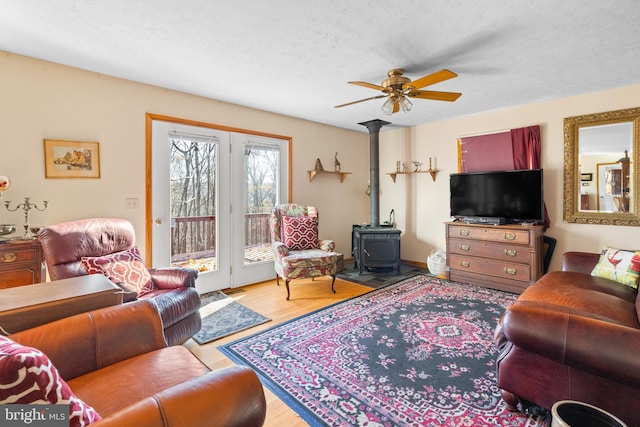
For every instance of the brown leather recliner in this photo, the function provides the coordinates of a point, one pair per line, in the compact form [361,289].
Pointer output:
[116,360]
[572,336]
[174,291]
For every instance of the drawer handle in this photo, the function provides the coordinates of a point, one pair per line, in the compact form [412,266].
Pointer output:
[9,257]
[509,236]
[464,232]
[510,270]
[464,247]
[465,264]
[510,252]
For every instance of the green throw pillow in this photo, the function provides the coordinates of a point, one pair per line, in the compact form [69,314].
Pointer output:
[619,265]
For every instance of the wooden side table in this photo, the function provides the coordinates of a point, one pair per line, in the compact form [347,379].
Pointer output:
[20,263]
[28,306]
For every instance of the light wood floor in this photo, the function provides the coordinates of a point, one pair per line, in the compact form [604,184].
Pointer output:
[270,300]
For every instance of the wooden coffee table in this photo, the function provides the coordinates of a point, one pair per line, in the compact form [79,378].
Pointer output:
[27,306]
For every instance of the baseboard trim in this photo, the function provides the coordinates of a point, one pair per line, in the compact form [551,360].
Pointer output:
[403,261]
[414,263]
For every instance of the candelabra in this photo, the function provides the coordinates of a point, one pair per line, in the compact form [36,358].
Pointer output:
[26,206]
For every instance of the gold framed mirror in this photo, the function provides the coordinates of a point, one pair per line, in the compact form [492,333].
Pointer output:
[595,193]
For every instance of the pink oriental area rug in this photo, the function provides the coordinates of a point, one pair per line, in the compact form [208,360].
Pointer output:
[415,353]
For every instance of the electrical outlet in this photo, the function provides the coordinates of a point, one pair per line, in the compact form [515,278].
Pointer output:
[131,203]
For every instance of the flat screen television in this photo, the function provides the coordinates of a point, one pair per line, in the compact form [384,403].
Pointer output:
[506,196]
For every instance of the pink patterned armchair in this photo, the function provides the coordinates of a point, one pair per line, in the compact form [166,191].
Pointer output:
[298,251]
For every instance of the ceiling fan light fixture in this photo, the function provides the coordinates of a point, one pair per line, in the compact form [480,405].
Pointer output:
[405,104]
[387,107]
[398,89]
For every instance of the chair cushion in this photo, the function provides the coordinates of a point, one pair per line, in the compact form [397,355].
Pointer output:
[619,265]
[142,376]
[125,268]
[583,295]
[309,258]
[308,263]
[27,376]
[300,232]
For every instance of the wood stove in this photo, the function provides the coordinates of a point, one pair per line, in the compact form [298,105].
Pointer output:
[376,248]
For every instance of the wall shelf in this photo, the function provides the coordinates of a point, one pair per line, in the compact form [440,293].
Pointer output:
[433,173]
[343,175]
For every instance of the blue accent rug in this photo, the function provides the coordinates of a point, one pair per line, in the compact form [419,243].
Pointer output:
[223,316]
[416,353]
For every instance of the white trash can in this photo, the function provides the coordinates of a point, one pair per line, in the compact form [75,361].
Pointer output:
[571,413]
[437,263]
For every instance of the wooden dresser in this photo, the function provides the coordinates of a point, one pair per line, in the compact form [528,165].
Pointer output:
[505,257]
[20,263]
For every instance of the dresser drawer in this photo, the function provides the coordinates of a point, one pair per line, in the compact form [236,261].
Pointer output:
[20,263]
[13,255]
[19,276]
[491,267]
[490,234]
[506,252]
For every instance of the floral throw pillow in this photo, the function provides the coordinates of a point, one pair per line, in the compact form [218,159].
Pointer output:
[300,232]
[619,265]
[126,268]
[28,376]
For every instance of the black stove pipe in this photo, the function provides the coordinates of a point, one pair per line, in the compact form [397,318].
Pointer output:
[374,169]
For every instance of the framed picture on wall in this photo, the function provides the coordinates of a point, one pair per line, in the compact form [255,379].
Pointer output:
[71,159]
[586,177]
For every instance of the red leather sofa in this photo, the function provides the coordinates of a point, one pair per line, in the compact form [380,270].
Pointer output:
[173,289]
[116,360]
[572,336]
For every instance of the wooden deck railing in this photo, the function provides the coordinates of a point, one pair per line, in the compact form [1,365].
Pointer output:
[197,235]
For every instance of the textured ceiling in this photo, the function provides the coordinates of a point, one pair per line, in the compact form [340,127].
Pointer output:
[295,57]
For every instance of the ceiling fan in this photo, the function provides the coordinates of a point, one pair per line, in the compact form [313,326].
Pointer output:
[398,89]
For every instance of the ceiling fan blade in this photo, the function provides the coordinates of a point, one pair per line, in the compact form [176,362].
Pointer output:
[368,85]
[437,77]
[435,95]
[360,100]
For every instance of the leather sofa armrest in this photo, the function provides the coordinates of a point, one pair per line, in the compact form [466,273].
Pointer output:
[89,341]
[173,277]
[231,397]
[327,245]
[579,262]
[592,345]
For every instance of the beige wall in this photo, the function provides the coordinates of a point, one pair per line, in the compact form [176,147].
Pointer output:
[422,206]
[45,100]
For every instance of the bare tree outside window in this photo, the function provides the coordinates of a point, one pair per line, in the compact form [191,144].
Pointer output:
[193,202]
[261,168]
[193,199]
[261,172]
